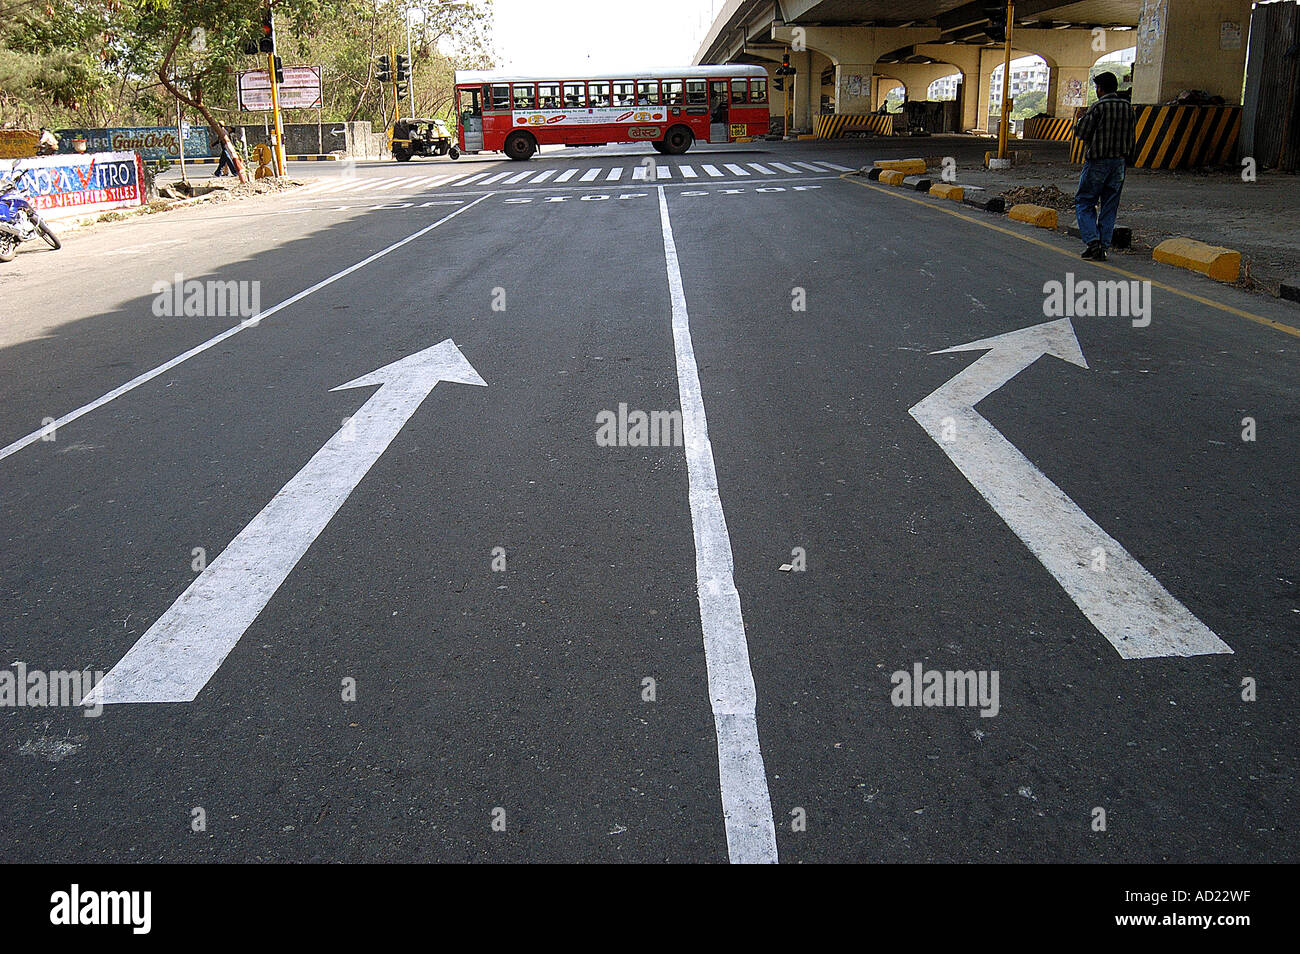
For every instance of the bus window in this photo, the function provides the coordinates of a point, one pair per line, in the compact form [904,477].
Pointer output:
[739,92]
[672,92]
[624,93]
[647,93]
[597,94]
[525,96]
[575,96]
[549,95]
[697,93]
[758,91]
[500,101]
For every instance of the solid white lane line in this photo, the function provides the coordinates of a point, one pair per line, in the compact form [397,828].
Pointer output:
[712,170]
[544,176]
[760,168]
[734,169]
[688,172]
[589,175]
[566,175]
[166,366]
[746,804]
[614,174]
[784,168]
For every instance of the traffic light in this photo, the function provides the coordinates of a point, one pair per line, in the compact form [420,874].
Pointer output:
[266,38]
[383,72]
[279,70]
[401,89]
[782,71]
[997,28]
[403,68]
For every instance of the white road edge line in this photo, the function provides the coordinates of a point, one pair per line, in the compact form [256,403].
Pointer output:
[746,804]
[163,368]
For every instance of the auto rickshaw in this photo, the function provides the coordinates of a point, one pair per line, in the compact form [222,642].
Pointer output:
[422,137]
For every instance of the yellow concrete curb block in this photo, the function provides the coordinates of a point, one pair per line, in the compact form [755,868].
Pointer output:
[944,191]
[892,177]
[1038,215]
[910,167]
[805,137]
[1221,264]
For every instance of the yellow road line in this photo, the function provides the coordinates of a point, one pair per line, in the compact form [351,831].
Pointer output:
[1191,296]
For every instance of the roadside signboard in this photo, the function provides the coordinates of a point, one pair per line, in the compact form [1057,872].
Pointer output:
[70,185]
[152,142]
[301,88]
[18,143]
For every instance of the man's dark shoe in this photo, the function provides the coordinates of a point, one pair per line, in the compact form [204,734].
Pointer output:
[1100,254]
[1094,252]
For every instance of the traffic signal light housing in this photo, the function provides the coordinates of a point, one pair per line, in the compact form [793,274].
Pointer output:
[279,70]
[403,69]
[997,28]
[266,38]
[383,71]
[782,71]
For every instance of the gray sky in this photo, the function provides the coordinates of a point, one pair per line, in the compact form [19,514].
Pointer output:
[578,36]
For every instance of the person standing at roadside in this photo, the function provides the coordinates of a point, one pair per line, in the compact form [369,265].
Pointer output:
[224,150]
[1108,129]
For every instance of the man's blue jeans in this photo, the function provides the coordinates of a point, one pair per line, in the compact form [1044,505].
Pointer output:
[1102,182]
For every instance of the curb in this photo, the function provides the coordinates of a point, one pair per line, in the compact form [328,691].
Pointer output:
[892,177]
[1221,264]
[919,183]
[1290,290]
[1037,215]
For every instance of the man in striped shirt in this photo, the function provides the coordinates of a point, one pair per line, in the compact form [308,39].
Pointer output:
[1108,128]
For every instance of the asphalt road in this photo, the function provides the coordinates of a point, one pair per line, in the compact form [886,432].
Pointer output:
[503,714]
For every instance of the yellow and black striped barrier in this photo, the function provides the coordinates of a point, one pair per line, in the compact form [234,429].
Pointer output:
[1060,128]
[1182,137]
[832,127]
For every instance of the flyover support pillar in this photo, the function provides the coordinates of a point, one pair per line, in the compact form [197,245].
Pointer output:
[1191,44]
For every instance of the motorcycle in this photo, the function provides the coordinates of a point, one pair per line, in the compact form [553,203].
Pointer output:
[19,222]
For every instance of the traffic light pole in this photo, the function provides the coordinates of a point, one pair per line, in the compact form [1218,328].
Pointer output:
[1005,124]
[280,159]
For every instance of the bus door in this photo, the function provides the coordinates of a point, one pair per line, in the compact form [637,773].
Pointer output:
[469,107]
[719,111]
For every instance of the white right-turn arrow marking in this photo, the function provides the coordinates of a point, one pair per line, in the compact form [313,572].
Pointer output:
[1137,615]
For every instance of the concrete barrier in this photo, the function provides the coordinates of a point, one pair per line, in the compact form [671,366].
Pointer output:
[911,167]
[1038,215]
[1221,264]
[954,193]
[919,183]
[892,177]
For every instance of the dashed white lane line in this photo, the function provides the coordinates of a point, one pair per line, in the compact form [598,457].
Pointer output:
[496,178]
[834,167]
[712,170]
[589,175]
[166,366]
[761,169]
[474,178]
[543,176]
[566,175]
[791,170]
[405,181]
[520,177]
[734,169]
[641,173]
[746,804]
[614,174]
[689,173]
[809,165]
[663,172]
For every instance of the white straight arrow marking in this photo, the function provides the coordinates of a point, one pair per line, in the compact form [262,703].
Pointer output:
[1139,617]
[175,659]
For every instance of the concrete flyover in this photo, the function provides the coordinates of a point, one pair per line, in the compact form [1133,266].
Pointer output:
[849,53]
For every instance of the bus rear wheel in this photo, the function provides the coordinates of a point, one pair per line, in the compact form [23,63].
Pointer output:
[520,146]
[658,146]
[677,141]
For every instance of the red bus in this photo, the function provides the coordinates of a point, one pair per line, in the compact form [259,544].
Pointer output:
[670,109]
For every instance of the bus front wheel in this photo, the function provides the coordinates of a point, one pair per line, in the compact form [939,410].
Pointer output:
[677,141]
[520,146]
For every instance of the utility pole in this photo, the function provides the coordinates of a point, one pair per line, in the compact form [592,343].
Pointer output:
[273,67]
